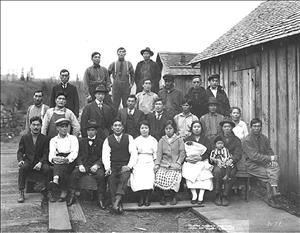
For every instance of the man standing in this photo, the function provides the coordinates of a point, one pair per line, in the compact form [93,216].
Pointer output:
[198,96]
[215,90]
[131,117]
[123,78]
[69,90]
[157,119]
[261,161]
[147,69]
[172,97]
[119,155]
[145,99]
[211,120]
[32,156]
[63,150]
[37,109]
[94,76]
[89,162]
[98,110]
[59,111]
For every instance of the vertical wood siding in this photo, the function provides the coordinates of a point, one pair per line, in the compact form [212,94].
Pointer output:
[274,69]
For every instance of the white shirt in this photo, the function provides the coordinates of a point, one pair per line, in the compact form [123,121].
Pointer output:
[214,91]
[130,111]
[184,123]
[100,104]
[106,153]
[241,130]
[68,144]
[90,143]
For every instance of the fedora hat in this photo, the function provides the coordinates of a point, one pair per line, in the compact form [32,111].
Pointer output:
[92,124]
[100,88]
[227,120]
[147,49]
[212,100]
[62,121]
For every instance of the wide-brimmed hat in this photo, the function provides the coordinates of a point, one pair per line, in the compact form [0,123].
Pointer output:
[213,76]
[212,100]
[92,124]
[147,49]
[227,120]
[100,88]
[62,121]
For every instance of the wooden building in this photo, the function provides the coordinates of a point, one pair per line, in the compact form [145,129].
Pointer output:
[175,64]
[259,64]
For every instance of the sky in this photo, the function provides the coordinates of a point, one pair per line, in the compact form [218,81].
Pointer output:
[53,35]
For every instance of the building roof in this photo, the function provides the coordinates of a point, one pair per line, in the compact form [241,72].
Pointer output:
[176,63]
[271,20]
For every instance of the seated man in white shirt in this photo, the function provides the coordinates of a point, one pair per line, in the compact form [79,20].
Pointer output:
[119,155]
[63,150]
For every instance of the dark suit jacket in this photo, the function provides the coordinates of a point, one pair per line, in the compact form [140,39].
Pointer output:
[155,73]
[224,106]
[103,118]
[72,97]
[86,159]
[138,117]
[33,153]
[157,126]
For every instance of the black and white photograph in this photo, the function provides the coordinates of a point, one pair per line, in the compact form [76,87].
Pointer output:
[150,116]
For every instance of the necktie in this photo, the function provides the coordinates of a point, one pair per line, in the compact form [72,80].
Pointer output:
[91,141]
[158,115]
[118,138]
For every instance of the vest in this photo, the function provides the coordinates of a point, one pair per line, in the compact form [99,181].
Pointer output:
[119,151]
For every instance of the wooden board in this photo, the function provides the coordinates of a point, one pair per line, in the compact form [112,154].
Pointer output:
[156,205]
[59,219]
[265,97]
[76,213]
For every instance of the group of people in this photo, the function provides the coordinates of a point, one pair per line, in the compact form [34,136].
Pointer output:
[158,140]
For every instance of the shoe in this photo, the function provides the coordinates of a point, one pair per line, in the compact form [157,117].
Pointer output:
[147,203]
[163,201]
[173,201]
[218,200]
[21,198]
[100,203]
[120,208]
[71,200]
[193,202]
[225,201]
[147,197]
[63,196]
[141,201]
[200,203]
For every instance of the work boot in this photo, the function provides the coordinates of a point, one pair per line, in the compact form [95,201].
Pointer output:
[72,198]
[275,191]
[218,200]
[225,201]
[21,198]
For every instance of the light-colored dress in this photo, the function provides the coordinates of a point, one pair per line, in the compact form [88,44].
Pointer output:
[142,176]
[240,130]
[198,175]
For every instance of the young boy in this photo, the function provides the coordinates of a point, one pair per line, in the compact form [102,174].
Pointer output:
[220,156]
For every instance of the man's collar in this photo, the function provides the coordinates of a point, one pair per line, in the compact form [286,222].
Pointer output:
[148,93]
[96,65]
[93,138]
[64,84]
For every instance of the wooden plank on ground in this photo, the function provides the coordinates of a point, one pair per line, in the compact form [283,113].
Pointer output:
[22,222]
[156,205]
[59,219]
[76,213]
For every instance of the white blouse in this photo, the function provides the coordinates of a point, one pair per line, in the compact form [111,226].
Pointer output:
[241,130]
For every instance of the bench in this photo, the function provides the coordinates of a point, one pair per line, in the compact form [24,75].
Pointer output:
[243,174]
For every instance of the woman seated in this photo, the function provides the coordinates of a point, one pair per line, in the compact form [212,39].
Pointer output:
[197,170]
[142,176]
[168,164]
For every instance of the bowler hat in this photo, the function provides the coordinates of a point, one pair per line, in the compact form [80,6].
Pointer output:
[100,88]
[213,76]
[227,120]
[147,49]
[62,121]
[92,124]
[212,100]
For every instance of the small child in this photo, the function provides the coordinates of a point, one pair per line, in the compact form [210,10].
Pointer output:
[220,156]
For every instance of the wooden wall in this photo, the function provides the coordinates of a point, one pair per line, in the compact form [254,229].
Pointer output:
[266,77]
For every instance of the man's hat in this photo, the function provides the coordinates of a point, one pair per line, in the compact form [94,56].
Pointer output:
[92,124]
[212,100]
[147,49]
[100,88]
[227,120]
[62,121]
[213,76]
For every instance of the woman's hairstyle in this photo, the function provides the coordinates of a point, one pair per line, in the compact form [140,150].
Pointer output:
[172,123]
[144,122]
[237,108]
[195,122]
